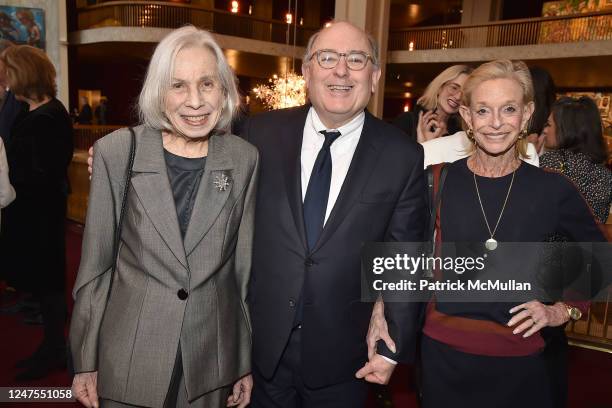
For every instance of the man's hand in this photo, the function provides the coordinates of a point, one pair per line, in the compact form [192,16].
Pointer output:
[378,330]
[377,370]
[85,389]
[90,161]
[241,393]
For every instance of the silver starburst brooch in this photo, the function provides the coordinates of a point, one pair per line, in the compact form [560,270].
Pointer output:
[221,182]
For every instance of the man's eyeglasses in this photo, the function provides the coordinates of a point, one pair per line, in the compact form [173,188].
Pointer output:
[355,60]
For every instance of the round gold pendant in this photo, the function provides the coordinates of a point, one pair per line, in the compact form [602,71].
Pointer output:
[490,244]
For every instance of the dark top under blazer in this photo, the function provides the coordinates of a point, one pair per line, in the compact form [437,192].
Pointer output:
[382,199]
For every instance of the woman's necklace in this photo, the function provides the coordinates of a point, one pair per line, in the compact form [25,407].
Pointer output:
[491,243]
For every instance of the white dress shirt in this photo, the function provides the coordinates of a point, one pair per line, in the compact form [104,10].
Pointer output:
[342,151]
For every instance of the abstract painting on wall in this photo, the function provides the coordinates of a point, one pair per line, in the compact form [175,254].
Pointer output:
[22,25]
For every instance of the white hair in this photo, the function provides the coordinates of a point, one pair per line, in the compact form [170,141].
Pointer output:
[151,102]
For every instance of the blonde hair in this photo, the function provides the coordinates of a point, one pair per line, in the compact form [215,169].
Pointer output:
[151,102]
[429,100]
[29,72]
[503,69]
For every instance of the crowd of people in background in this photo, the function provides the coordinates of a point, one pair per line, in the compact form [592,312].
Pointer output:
[86,116]
[493,125]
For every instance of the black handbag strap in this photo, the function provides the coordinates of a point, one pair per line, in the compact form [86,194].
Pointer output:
[126,189]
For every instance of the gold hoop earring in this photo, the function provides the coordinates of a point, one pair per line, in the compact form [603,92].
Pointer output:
[523,134]
[470,135]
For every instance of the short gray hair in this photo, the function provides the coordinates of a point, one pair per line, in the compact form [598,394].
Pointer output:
[375,50]
[151,102]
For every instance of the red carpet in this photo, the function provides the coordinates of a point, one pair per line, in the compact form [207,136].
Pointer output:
[590,371]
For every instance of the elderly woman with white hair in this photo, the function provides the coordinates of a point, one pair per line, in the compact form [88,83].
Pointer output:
[160,317]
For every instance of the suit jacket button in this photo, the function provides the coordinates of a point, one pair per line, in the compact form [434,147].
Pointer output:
[291,303]
[182,294]
[308,262]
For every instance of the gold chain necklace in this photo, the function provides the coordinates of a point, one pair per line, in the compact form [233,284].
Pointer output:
[491,243]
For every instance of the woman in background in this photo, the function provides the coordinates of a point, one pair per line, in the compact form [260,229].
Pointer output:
[544,96]
[39,152]
[436,112]
[576,148]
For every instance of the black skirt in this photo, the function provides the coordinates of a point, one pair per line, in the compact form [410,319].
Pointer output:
[455,379]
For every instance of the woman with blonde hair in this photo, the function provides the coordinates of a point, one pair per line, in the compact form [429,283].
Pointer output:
[477,354]
[436,112]
[160,315]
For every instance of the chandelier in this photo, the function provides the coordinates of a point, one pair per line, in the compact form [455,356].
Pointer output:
[288,90]
[285,92]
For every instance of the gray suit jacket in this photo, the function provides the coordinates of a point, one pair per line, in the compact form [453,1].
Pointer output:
[132,339]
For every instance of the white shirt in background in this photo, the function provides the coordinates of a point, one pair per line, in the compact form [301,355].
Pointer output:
[451,148]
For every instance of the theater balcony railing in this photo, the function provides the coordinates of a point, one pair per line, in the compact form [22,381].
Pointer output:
[171,15]
[533,31]
[84,136]
[593,331]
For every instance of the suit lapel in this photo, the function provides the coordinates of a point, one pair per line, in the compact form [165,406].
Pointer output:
[362,165]
[215,187]
[291,141]
[151,184]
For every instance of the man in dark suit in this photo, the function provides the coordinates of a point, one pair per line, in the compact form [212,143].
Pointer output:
[332,178]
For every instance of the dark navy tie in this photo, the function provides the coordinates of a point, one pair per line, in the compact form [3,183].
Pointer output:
[315,201]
